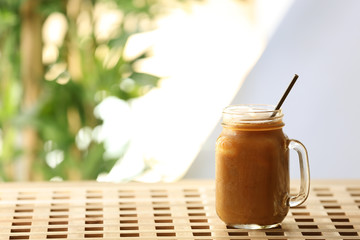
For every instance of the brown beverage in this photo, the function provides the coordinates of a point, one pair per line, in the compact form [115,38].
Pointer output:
[252,168]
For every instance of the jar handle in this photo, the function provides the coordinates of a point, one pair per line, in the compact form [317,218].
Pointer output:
[304,171]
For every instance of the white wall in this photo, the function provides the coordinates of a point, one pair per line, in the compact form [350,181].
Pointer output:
[320,41]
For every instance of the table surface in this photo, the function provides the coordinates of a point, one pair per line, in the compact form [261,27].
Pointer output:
[181,210]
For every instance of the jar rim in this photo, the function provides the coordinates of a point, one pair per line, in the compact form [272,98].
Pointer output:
[252,113]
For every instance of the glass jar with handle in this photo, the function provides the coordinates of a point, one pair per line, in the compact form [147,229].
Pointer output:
[252,168]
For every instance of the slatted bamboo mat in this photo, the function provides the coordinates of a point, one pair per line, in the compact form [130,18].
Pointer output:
[183,210]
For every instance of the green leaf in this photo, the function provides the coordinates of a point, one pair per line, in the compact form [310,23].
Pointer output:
[119,41]
[145,79]
[94,163]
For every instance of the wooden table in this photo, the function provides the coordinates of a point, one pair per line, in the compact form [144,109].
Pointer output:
[183,210]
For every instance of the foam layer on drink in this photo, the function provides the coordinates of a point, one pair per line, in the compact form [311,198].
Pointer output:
[250,114]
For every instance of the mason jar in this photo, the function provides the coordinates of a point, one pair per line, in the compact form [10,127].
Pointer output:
[252,168]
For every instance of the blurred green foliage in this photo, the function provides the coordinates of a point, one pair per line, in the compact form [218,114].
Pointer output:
[10,87]
[66,102]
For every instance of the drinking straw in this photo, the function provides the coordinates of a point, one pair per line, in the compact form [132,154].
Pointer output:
[285,94]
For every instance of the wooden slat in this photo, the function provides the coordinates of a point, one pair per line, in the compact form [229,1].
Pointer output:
[182,210]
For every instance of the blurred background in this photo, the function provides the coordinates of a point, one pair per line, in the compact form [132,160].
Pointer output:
[318,40]
[119,90]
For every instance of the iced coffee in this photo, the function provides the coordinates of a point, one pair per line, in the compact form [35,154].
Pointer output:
[252,168]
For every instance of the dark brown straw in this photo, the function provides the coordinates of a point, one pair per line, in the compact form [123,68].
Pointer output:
[278,106]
